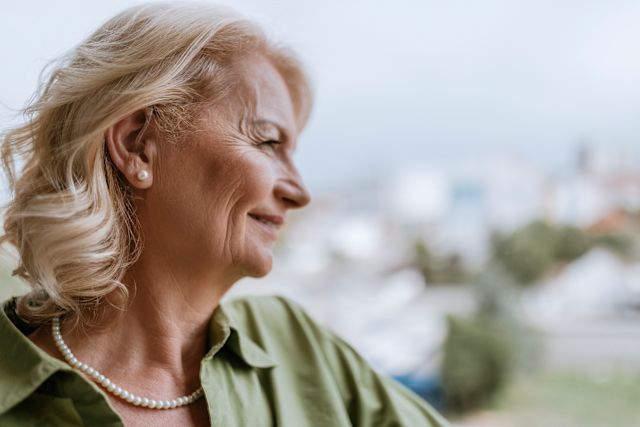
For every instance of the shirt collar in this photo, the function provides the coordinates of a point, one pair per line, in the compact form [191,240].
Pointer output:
[224,331]
[23,365]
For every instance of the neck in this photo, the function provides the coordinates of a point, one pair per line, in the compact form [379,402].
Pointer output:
[162,334]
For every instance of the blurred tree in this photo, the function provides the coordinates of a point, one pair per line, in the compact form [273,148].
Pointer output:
[477,362]
[530,252]
[570,243]
[482,351]
[9,285]
[453,270]
[620,244]
[423,260]
[527,253]
[441,269]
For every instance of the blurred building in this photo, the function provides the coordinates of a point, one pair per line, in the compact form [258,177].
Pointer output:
[347,258]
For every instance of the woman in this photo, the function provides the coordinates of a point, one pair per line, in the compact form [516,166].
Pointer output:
[157,171]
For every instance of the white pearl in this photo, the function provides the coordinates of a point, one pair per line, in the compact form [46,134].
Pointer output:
[109,385]
[142,175]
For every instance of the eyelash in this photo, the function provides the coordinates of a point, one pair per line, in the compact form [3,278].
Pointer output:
[271,143]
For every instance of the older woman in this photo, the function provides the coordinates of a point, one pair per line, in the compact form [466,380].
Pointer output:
[156,170]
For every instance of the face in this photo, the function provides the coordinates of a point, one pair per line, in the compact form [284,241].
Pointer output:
[220,198]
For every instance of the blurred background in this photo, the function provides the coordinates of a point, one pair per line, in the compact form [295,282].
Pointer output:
[475,167]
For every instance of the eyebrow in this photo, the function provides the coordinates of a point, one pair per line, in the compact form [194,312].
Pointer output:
[281,130]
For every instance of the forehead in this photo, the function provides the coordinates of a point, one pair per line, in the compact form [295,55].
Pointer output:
[264,93]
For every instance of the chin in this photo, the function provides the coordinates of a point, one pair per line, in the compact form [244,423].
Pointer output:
[260,267]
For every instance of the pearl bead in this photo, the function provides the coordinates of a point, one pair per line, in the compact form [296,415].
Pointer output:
[142,175]
[116,390]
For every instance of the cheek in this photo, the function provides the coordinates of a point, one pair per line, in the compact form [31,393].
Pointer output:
[210,193]
[246,178]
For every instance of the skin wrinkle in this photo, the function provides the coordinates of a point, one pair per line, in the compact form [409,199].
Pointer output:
[198,240]
[235,196]
[237,138]
[226,202]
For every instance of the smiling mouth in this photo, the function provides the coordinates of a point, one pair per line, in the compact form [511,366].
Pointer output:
[270,224]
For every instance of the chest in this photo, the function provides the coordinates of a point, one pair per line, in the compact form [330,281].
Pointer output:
[195,415]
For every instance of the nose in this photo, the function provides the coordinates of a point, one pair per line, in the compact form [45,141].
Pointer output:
[291,190]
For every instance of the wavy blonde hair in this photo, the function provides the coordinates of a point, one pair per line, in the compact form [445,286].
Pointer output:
[71,217]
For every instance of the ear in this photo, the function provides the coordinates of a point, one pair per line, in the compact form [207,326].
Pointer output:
[132,148]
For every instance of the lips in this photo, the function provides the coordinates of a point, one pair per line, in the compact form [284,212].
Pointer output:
[269,223]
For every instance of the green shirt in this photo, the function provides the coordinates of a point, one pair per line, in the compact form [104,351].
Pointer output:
[269,364]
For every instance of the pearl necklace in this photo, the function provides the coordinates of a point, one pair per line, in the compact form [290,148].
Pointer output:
[108,385]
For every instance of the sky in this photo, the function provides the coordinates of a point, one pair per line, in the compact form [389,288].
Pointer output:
[404,82]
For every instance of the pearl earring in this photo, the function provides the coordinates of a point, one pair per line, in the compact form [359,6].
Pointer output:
[143,175]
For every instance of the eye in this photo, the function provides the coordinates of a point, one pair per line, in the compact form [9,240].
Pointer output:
[273,143]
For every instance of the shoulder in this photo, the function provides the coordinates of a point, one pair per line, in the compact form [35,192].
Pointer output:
[276,317]
[313,354]
[287,331]
[274,309]
[292,336]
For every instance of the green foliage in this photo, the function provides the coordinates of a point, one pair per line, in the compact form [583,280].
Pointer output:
[572,399]
[620,244]
[478,355]
[570,243]
[423,260]
[438,269]
[528,253]
[9,285]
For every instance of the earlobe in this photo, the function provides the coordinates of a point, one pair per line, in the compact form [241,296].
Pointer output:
[130,145]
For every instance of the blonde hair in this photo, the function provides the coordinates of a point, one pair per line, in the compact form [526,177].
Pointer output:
[71,218]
